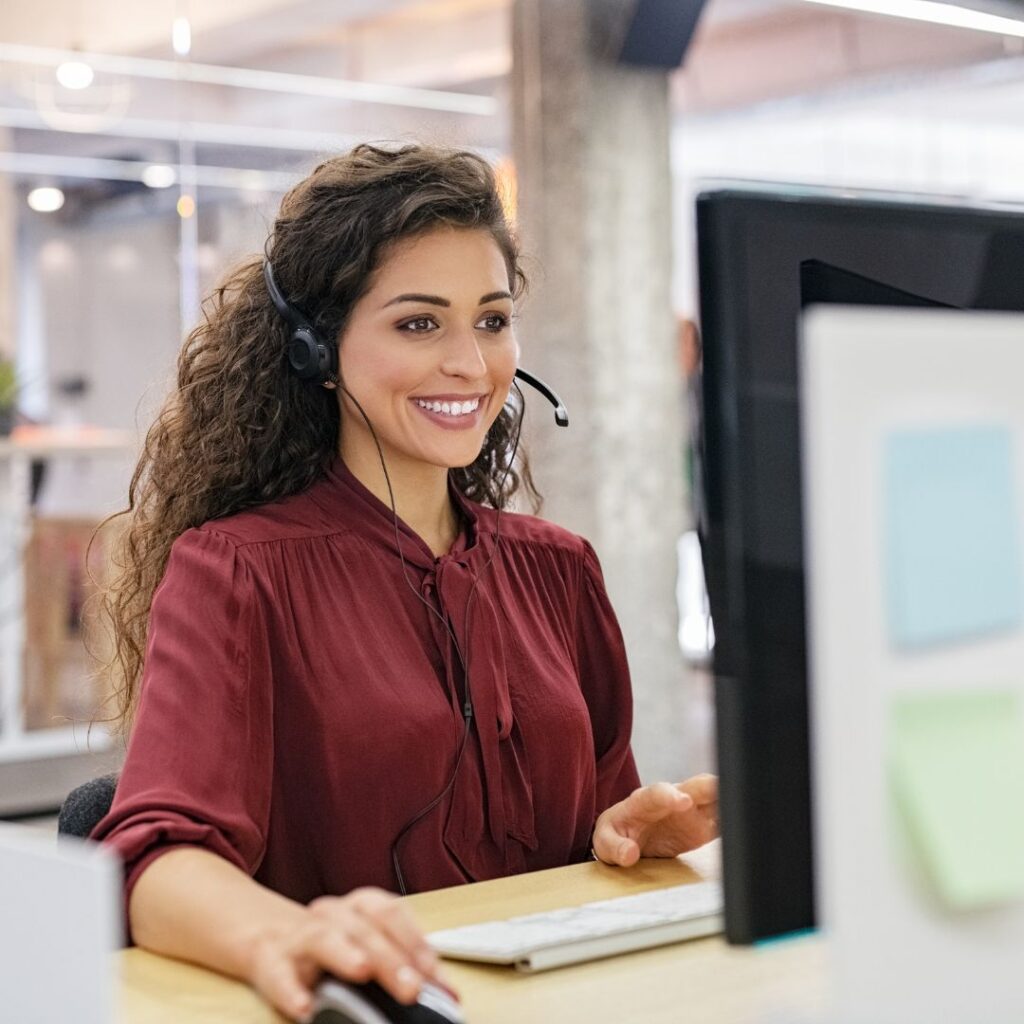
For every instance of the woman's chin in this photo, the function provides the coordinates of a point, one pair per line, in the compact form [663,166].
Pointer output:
[451,457]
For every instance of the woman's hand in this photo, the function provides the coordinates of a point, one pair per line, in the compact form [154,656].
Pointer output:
[662,820]
[364,936]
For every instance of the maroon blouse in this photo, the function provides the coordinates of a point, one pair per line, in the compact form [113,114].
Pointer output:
[299,704]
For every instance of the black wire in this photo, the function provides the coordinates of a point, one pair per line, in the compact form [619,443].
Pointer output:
[467,707]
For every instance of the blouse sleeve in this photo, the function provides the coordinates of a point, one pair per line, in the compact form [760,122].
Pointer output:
[604,677]
[199,761]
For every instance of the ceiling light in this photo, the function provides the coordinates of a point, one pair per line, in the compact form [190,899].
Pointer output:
[181,37]
[186,206]
[56,254]
[46,199]
[74,74]
[320,86]
[159,176]
[936,13]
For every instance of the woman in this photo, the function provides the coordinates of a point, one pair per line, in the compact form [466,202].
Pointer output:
[360,675]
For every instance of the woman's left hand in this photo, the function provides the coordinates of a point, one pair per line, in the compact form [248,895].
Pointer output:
[662,820]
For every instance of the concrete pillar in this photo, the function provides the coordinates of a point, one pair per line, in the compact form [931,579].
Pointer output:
[591,148]
[8,242]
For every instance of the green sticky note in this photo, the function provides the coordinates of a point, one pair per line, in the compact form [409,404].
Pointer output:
[956,769]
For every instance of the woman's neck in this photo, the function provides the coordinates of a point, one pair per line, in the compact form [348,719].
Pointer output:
[422,500]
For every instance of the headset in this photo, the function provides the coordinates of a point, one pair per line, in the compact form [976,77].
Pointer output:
[316,362]
[310,359]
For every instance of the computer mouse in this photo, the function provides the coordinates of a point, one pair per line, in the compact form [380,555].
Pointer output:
[343,1002]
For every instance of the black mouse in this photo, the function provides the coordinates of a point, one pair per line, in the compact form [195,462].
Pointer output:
[343,1002]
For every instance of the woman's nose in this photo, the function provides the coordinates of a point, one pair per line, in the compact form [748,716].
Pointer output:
[463,357]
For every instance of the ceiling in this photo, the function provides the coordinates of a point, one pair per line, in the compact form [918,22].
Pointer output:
[748,55]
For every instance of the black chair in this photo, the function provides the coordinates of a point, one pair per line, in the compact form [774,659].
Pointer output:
[86,805]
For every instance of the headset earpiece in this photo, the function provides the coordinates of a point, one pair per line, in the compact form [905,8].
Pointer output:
[309,358]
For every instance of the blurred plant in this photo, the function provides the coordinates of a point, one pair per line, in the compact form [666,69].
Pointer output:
[8,395]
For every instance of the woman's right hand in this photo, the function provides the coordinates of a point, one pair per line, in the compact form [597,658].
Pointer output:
[367,935]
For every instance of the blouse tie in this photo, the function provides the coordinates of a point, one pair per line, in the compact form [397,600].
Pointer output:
[486,813]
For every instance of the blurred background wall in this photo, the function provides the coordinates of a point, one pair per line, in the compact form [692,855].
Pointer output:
[144,147]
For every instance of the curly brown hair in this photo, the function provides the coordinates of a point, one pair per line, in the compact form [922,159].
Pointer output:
[240,429]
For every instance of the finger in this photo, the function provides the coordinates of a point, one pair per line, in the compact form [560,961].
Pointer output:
[708,818]
[389,963]
[628,852]
[652,803]
[279,983]
[286,971]
[613,847]
[397,922]
[702,788]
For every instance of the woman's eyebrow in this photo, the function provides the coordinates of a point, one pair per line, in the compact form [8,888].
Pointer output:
[437,300]
[434,300]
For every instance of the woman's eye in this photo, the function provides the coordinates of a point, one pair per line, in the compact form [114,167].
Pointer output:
[495,322]
[419,325]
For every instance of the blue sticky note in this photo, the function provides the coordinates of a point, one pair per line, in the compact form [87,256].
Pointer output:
[951,535]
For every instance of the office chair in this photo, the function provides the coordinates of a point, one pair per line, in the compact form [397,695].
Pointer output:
[86,805]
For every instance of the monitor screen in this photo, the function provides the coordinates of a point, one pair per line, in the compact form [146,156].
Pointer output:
[763,254]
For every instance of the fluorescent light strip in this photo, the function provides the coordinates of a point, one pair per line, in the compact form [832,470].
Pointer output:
[204,132]
[246,78]
[132,170]
[211,133]
[936,13]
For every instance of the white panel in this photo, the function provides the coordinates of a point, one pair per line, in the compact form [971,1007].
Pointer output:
[897,958]
[59,925]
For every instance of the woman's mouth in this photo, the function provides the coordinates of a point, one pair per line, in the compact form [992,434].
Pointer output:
[452,414]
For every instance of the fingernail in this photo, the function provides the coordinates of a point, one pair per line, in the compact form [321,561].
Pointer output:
[409,981]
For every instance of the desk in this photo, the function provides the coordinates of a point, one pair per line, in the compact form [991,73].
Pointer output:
[702,981]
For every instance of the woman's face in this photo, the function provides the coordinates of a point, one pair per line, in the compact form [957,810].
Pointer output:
[429,351]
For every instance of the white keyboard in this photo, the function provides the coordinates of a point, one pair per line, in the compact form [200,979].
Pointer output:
[538,942]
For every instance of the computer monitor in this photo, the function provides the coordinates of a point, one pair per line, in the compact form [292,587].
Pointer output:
[763,254]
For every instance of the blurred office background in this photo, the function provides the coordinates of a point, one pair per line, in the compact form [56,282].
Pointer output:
[144,147]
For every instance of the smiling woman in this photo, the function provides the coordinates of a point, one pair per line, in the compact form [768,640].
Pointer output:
[347,666]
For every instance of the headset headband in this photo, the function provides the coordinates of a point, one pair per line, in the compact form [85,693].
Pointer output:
[281,304]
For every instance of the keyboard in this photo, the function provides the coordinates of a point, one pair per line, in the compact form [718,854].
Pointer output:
[569,935]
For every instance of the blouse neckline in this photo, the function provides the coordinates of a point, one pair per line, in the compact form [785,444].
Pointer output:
[346,486]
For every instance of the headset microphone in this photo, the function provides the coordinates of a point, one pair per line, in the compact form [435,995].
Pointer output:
[561,413]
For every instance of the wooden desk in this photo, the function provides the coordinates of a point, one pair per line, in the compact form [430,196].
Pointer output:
[702,981]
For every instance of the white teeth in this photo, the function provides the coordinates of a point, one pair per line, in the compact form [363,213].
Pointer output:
[450,408]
